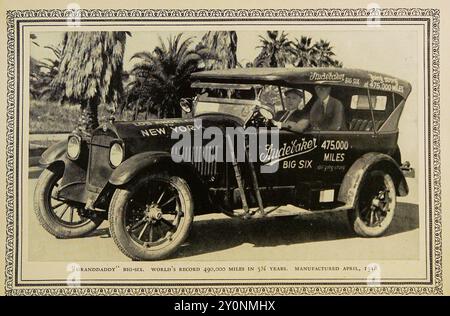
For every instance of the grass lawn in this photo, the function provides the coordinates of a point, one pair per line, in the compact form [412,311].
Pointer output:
[50,117]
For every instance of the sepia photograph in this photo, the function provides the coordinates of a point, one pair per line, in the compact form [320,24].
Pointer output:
[213,152]
[103,106]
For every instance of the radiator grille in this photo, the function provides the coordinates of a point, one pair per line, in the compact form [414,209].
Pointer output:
[206,165]
[99,168]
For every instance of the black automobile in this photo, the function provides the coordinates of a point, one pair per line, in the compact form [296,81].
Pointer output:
[126,173]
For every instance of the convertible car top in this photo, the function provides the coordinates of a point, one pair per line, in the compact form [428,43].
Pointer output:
[299,76]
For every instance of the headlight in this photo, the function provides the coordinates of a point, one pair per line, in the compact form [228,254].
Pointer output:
[116,154]
[74,147]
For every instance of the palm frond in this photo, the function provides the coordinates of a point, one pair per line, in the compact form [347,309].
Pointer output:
[142,55]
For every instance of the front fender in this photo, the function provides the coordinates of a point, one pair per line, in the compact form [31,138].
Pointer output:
[136,164]
[350,186]
[55,152]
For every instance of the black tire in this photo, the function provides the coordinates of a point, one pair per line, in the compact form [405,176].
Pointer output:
[140,213]
[375,205]
[52,213]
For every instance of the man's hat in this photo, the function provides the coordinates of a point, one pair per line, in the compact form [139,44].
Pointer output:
[296,91]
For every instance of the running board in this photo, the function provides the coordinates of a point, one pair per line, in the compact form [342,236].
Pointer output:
[286,210]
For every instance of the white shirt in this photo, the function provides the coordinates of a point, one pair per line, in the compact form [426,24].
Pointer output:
[325,103]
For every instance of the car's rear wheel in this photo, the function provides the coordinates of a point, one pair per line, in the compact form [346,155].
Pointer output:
[151,217]
[375,205]
[60,217]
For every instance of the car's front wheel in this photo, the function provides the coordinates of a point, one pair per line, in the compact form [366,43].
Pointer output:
[151,217]
[60,217]
[375,205]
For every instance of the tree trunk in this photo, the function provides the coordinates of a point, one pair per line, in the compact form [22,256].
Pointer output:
[89,115]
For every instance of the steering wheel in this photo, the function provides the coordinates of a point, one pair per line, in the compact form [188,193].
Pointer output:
[261,116]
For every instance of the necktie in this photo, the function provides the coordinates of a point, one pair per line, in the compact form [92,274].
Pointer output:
[321,114]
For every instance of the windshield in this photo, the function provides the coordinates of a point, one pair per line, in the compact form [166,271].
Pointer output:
[211,105]
[239,100]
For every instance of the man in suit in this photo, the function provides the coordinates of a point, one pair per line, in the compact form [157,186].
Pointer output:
[294,117]
[327,113]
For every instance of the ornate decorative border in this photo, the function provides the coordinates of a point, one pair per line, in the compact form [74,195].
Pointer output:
[238,14]
[223,13]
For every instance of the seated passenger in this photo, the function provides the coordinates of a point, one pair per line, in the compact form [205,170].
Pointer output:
[327,113]
[294,117]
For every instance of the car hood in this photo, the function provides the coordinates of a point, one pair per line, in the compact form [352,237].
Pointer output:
[151,135]
[161,134]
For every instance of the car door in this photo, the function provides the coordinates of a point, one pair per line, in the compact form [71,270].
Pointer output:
[339,149]
[293,158]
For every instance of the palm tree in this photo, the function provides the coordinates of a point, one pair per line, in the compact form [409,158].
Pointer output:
[35,82]
[337,64]
[222,46]
[305,53]
[42,74]
[262,60]
[324,54]
[90,71]
[162,77]
[33,38]
[276,51]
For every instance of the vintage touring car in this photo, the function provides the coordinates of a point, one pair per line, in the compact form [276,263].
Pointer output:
[125,172]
